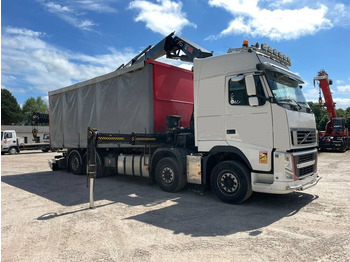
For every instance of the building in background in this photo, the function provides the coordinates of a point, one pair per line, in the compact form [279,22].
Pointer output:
[26,132]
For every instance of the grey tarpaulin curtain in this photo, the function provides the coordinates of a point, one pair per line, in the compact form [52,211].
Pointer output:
[113,103]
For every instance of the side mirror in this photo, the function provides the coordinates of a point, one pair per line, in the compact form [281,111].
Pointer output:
[253,101]
[251,90]
[250,84]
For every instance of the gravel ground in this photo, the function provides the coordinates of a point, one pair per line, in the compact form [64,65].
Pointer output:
[45,216]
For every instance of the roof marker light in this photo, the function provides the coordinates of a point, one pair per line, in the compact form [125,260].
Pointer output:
[245,43]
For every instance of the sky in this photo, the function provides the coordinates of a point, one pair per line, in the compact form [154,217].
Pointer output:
[50,44]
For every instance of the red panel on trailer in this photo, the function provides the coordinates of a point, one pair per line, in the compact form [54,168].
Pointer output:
[172,94]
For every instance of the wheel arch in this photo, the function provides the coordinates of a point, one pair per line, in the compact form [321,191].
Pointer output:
[219,154]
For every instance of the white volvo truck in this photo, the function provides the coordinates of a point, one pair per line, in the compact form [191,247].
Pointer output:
[237,123]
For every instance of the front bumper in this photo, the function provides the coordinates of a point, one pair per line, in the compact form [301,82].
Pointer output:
[286,187]
[313,182]
[333,145]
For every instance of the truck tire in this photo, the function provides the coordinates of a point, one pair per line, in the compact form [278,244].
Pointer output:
[12,151]
[231,182]
[343,147]
[169,176]
[75,163]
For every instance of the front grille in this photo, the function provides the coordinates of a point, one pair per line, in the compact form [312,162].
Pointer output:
[305,164]
[303,136]
[306,170]
[306,158]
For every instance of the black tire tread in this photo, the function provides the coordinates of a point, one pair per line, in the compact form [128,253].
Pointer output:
[180,179]
[244,175]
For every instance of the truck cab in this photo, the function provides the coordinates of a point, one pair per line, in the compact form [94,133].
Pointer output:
[9,142]
[249,108]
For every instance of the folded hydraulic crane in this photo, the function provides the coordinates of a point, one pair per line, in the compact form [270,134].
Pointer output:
[36,119]
[336,135]
[173,47]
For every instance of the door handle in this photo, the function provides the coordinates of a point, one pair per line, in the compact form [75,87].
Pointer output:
[231,131]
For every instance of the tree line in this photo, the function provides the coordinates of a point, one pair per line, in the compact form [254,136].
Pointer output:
[13,114]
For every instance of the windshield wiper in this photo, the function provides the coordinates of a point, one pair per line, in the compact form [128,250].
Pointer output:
[300,107]
[291,100]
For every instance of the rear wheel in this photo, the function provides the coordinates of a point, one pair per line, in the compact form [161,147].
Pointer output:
[169,175]
[230,182]
[75,163]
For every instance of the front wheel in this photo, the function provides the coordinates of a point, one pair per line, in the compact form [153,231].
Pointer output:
[231,182]
[12,151]
[169,175]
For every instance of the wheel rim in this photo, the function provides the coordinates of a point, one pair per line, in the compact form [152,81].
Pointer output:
[228,182]
[167,175]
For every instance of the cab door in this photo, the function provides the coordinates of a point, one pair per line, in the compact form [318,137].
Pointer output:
[9,139]
[248,119]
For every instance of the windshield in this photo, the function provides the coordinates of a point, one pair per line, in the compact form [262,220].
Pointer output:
[287,92]
[337,124]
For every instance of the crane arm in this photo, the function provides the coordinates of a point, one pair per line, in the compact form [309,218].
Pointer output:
[324,83]
[171,47]
[40,118]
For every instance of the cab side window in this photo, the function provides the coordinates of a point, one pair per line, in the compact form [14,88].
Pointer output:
[237,92]
[8,135]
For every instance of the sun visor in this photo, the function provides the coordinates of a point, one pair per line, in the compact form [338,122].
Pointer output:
[271,67]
